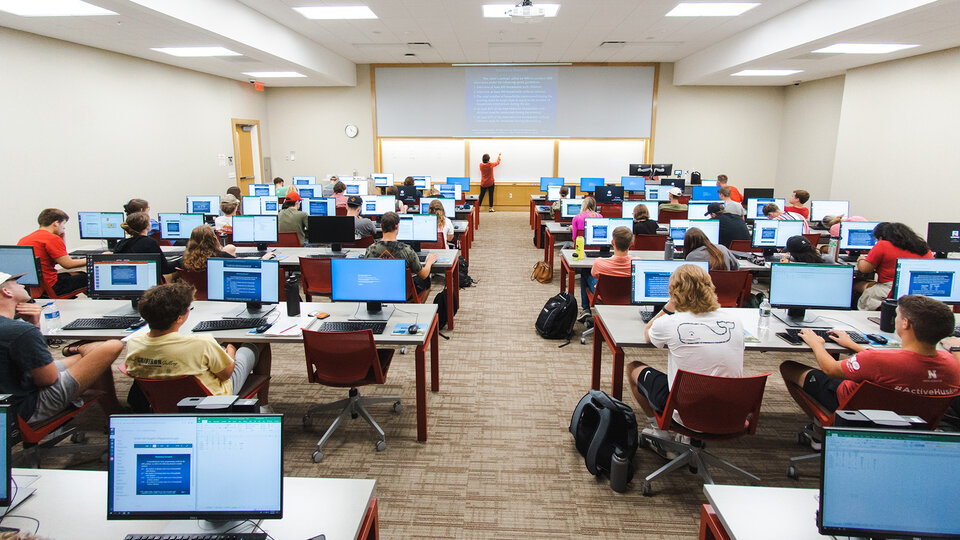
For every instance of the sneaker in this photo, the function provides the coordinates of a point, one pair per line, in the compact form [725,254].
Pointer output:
[584,313]
[492,210]
[655,444]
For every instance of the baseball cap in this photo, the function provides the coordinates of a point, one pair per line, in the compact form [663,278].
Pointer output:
[676,192]
[714,208]
[293,196]
[798,243]
[354,201]
[5,277]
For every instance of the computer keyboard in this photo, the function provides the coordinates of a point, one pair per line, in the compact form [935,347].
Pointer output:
[229,324]
[198,536]
[85,252]
[423,258]
[351,326]
[596,254]
[102,323]
[825,334]
[327,256]
[249,254]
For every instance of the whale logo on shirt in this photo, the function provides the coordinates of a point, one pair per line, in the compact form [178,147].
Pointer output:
[692,333]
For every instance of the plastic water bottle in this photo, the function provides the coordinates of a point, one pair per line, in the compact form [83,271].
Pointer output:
[51,318]
[618,471]
[668,249]
[765,312]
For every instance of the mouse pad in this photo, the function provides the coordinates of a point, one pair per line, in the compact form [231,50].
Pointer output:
[401,328]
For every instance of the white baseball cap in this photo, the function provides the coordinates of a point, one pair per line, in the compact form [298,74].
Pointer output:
[676,192]
[5,277]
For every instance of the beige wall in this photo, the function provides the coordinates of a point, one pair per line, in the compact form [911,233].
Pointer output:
[87,129]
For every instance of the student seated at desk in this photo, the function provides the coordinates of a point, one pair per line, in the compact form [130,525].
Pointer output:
[832,223]
[338,192]
[800,250]
[164,352]
[400,207]
[229,206]
[43,387]
[279,188]
[141,205]
[732,226]
[641,221]
[587,210]
[730,206]
[235,191]
[49,247]
[697,247]
[617,265]
[894,241]
[674,204]
[916,367]
[291,218]
[361,226]
[202,245]
[712,342]
[735,194]
[555,207]
[772,211]
[137,226]
[444,225]
[798,198]
[389,248]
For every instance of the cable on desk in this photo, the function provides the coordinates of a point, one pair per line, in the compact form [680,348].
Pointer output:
[256,525]
[13,497]
[855,329]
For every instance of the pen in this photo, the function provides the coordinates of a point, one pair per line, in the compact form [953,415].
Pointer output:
[282,331]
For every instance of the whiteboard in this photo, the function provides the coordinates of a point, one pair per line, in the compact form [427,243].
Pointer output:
[438,158]
[598,158]
[524,160]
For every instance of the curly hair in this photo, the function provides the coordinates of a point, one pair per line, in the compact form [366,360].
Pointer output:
[162,304]
[202,245]
[692,290]
[902,237]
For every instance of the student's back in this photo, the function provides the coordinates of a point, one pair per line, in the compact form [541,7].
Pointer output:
[144,244]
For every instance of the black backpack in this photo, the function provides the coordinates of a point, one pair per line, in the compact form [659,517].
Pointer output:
[441,301]
[557,317]
[602,426]
[462,267]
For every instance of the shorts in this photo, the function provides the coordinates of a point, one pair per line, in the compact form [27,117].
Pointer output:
[653,385]
[822,388]
[53,399]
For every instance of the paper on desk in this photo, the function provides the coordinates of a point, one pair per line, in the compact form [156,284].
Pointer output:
[289,326]
[142,330]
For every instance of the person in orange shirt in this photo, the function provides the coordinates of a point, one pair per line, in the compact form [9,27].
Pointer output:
[48,246]
[735,194]
[486,178]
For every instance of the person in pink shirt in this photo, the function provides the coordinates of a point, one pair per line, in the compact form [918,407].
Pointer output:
[587,210]
[833,223]
[772,211]
[617,265]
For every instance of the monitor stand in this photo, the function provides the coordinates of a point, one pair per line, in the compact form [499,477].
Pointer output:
[336,248]
[125,311]
[253,310]
[768,252]
[112,243]
[374,311]
[799,317]
[940,255]
[261,246]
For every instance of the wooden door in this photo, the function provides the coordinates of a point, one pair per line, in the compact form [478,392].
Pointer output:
[246,146]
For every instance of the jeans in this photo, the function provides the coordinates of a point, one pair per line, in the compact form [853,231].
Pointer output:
[587,282]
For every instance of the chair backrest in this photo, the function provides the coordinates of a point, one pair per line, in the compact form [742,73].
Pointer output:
[341,210]
[413,297]
[556,215]
[363,242]
[666,215]
[164,394]
[716,405]
[342,358]
[159,238]
[287,239]
[869,395]
[612,291]
[649,242]
[733,286]
[814,238]
[611,210]
[441,243]
[744,246]
[197,279]
[316,276]
[684,199]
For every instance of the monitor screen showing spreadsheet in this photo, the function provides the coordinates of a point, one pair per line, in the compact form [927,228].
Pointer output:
[633,183]
[814,286]
[122,275]
[368,280]
[570,207]
[821,209]
[382,179]
[262,190]
[310,191]
[755,207]
[936,278]
[857,234]
[449,206]
[178,226]
[678,229]
[417,228]
[657,193]
[260,206]
[697,210]
[589,184]
[101,225]
[421,182]
[704,193]
[774,233]
[651,279]
[209,205]
[553,193]
[377,205]
[355,188]
[259,229]
[183,466]
[20,260]
[243,280]
[321,207]
[889,483]
[462,181]
[304,180]
[599,231]
[653,209]
[450,191]
[546,181]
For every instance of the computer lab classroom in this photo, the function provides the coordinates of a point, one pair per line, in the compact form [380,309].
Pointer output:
[105,101]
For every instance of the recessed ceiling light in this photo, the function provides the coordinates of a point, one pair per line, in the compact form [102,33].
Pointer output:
[336,12]
[864,48]
[273,74]
[500,10]
[711,9]
[52,8]
[192,52]
[766,72]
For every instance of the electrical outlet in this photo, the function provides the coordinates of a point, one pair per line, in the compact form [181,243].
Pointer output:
[509,195]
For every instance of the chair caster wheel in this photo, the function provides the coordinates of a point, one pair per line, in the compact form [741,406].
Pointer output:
[583,341]
[307,421]
[397,406]
[792,473]
[801,439]
[381,445]
[693,470]
[317,456]
[354,416]
[78,437]
[646,489]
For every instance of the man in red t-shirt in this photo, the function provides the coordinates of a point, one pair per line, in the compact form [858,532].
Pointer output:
[735,194]
[796,203]
[917,367]
[48,246]
[486,178]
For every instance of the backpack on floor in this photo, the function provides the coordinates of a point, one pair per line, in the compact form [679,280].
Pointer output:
[557,317]
[462,267]
[441,301]
[602,426]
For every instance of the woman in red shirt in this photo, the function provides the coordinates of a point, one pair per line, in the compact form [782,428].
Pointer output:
[894,241]
[486,178]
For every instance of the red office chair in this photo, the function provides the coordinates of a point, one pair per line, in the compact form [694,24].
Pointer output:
[684,199]
[441,243]
[611,210]
[363,242]
[814,238]
[159,238]
[712,409]
[649,242]
[611,291]
[867,395]
[316,277]
[163,394]
[196,278]
[42,437]
[346,360]
[287,239]
[743,246]
[666,215]
[341,210]
[733,286]
[48,291]
[414,297]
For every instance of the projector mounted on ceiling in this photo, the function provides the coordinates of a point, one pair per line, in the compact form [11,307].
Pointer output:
[526,13]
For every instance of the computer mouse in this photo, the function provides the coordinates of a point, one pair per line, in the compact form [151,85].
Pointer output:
[263,328]
[413,328]
[138,324]
[322,315]
[877,338]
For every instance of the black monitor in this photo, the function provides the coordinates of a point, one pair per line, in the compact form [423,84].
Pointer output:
[661,169]
[259,230]
[757,193]
[633,183]
[408,195]
[334,230]
[122,275]
[798,287]
[5,494]
[609,195]
[21,260]
[675,182]
[253,281]
[640,169]
[547,181]
[102,226]
[943,238]
[213,467]
[373,281]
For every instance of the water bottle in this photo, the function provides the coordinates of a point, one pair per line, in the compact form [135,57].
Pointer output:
[765,312]
[668,249]
[51,318]
[618,471]
[832,248]
[292,290]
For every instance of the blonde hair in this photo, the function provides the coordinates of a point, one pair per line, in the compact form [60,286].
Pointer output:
[202,245]
[589,204]
[641,212]
[692,290]
[436,207]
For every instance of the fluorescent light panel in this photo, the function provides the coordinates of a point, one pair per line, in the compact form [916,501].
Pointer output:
[273,74]
[52,8]
[500,10]
[766,72]
[194,52]
[336,12]
[865,48]
[711,9]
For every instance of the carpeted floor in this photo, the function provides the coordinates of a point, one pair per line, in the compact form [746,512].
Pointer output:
[499,462]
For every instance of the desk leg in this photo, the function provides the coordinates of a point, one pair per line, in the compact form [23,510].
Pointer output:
[421,367]
[533,211]
[616,389]
[571,279]
[598,335]
[564,268]
[476,215]
[451,274]
[435,357]
[711,528]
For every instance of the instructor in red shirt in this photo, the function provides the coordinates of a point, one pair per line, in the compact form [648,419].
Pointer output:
[48,246]
[486,178]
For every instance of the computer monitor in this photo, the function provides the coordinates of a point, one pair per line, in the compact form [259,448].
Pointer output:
[102,226]
[857,235]
[21,260]
[710,183]
[462,181]
[936,278]
[421,182]
[886,483]
[253,281]
[678,229]
[697,210]
[373,281]
[609,194]
[122,275]
[640,169]
[208,205]
[704,193]
[821,209]
[633,183]
[260,206]
[333,230]
[653,208]
[346,178]
[6,495]
[262,190]
[675,182]
[661,169]
[355,188]
[589,184]
[174,467]
[382,179]
[450,191]
[310,191]
[599,231]
[261,230]
[755,207]
[656,193]
[943,238]
[304,180]
[178,226]
[553,193]
[651,279]
[798,287]
[547,181]
[449,206]
[408,195]
[377,205]
[321,207]
[756,193]
[416,228]
[569,208]
[774,233]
